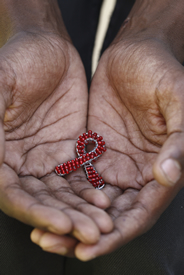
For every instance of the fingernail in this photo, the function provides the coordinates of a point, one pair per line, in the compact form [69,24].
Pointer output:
[172,170]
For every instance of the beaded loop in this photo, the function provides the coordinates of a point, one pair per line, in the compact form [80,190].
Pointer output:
[85,159]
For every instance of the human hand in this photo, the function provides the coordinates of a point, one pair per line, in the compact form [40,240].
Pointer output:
[44,98]
[136,103]
[126,108]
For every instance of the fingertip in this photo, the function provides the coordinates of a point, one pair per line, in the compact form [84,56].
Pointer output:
[167,172]
[62,245]
[104,221]
[97,198]
[62,226]
[89,236]
[107,224]
[52,220]
[36,235]
[84,252]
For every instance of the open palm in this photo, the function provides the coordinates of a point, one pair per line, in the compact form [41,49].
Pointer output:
[136,105]
[44,98]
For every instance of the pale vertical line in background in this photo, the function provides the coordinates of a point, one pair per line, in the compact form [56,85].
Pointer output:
[105,15]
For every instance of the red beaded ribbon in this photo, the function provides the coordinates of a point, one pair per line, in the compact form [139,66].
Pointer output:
[85,159]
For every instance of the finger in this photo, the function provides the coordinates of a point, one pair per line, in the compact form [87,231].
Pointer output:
[62,245]
[19,204]
[169,166]
[134,213]
[3,105]
[63,199]
[83,188]
[89,214]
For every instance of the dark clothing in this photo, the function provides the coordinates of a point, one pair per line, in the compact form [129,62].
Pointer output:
[19,256]
[158,252]
[81,20]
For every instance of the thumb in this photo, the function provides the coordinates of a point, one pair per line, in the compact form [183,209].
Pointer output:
[169,166]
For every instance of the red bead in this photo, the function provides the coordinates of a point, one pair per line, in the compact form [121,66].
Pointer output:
[99,138]
[92,155]
[85,158]
[85,136]
[80,143]
[94,135]
[98,151]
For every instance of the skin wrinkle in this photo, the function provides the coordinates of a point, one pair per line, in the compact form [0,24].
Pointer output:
[80,205]
[39,157]
[128,136]
[153,152]
[44,143]
[56,85]
[62,190]
[113,212]
[154,143]
[123,153]
[58,99]
[44,195]
[29,136]
[42,192]
[135,121]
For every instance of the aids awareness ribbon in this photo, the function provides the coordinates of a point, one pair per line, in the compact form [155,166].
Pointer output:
[85,158]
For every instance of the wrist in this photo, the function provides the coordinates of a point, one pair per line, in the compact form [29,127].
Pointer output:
[155,19]
[30,15]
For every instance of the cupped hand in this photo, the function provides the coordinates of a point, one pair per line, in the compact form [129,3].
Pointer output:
[136,104]
[43,110]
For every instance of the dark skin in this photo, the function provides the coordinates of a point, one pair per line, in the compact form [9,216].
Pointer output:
[138,109]
[43,111]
